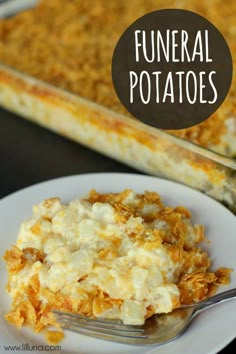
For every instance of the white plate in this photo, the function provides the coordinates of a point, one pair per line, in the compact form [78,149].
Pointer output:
[210,331]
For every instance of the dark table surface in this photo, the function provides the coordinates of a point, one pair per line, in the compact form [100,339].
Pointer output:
[30,154]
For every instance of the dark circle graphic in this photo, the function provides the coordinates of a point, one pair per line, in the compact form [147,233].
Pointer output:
[172,69]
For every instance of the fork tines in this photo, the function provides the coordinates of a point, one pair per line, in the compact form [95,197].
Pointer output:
[100,327]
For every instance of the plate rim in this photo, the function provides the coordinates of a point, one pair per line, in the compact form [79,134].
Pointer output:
[121,174]
[60,179]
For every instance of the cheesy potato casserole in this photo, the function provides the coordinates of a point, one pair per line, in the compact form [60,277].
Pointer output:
[62,81]
[121,256]
[72,49]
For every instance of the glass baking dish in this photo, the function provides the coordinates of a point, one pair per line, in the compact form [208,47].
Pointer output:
[125,139]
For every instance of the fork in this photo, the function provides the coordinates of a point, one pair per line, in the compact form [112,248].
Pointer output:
[158,329]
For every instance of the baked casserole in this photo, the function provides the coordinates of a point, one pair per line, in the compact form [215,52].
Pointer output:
[120,256]
[70,45]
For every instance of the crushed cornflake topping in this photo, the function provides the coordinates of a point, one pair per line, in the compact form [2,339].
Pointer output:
[54,337]
[115,255]
[73,48]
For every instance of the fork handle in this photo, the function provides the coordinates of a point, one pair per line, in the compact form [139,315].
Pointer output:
[221,297]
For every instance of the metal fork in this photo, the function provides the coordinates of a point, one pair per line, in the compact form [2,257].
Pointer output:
[158,329]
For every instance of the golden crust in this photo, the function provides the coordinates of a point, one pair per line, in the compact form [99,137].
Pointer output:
[15,260]
[54,337]
[69,57]
[23,313]
[197,286]
[158,154]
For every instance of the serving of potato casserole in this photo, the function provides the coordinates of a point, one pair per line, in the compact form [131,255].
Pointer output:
[121,256]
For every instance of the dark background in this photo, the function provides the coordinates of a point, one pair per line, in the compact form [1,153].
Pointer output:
[30,154]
